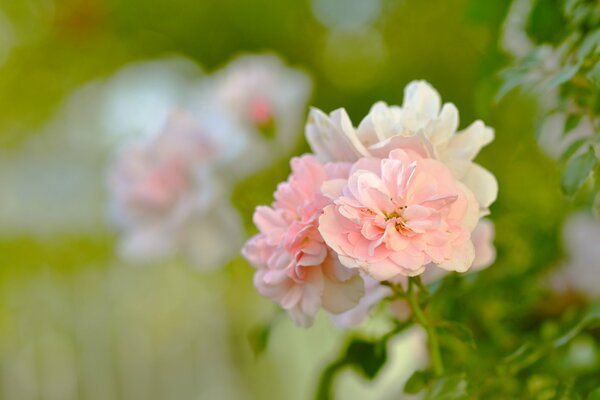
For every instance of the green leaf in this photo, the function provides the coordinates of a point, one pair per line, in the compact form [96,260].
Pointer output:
[368,356]
[594,74]
[577,171]
[417,381]
[572,122]
[594,394]
[545,21]
[563,76]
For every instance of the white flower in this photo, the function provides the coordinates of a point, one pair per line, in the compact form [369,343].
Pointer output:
[165,200]
[422,124]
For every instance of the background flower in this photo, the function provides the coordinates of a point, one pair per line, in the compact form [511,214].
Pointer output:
[164,198]
[268,101]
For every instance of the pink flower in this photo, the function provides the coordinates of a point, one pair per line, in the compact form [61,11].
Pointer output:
[395,216]
[295,267]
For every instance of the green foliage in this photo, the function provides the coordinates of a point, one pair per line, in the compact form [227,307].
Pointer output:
[563,66]
[577,171]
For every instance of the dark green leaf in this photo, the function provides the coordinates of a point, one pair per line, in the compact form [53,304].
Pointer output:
[368,356]
[572,122]
[545,20]
[417,381]
[578,169]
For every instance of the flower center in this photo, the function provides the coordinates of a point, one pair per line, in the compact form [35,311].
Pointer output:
[397,218]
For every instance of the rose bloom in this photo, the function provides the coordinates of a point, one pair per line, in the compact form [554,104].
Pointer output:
[163,198]
[375,292]
[422,125]
[294,266]
[395,216]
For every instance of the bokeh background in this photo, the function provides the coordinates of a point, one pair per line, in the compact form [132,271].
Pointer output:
[76,322]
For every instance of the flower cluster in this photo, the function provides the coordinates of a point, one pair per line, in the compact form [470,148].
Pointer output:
[169,191]
[399,196]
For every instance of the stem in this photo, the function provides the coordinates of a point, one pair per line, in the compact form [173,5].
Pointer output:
[325,388]
[434,346]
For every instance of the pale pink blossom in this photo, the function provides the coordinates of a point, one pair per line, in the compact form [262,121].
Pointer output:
[163,198]
[422,125]
[394,216]
[295,267]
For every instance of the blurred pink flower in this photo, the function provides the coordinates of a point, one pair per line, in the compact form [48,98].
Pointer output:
[295,268]
[422,125]
[394,216]
[163,198]
[264,96]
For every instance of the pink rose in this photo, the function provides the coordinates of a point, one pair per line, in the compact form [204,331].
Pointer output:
[394,216]
[295,267]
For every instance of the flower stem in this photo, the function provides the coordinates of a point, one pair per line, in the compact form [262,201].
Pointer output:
[434,346]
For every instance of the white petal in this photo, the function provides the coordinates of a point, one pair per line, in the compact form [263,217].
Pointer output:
[333,138]
[422,97]
[446,125]
[483,184]
[467,143]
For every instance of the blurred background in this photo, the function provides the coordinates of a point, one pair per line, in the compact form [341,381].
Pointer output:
[79,79]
